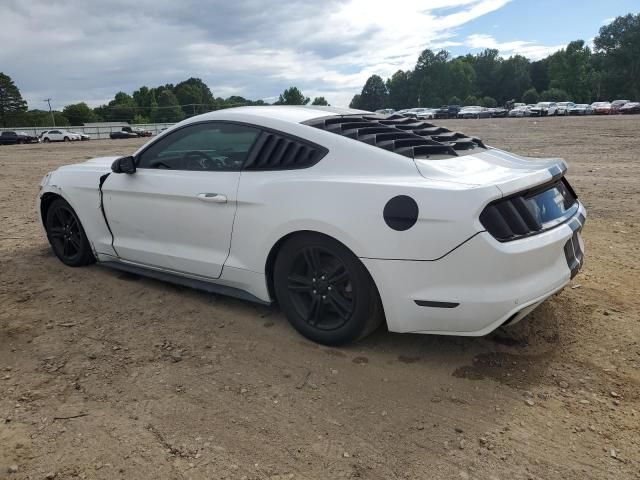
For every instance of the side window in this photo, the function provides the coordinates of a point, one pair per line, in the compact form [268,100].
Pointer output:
[214,146]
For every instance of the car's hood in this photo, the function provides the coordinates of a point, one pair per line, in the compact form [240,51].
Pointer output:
[100,164]
[510,173]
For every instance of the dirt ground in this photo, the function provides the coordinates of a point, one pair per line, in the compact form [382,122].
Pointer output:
[105,375]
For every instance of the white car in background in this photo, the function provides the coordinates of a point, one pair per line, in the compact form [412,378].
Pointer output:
[544,109]
[519,111]
[344,217]
[563,108]
[59,136]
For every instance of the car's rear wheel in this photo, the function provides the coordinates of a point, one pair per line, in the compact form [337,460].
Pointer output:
[66,235]
[45,140]
[66,139]
[325,291]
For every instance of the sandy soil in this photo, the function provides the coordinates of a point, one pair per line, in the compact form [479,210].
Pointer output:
[105,375]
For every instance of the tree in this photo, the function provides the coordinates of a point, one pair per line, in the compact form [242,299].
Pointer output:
[144,97]
[471,100]
[554,95]
[11,102]
[514,78]
[356,102]
[292,96]
[461,79]
[194,96]
[539,73]
[454,101]
[400,91]
[530,96]
[374,94]
[619,42]
[79,113]
[168,109]
[320,101]
[489,102]
[570,70]
[140,119]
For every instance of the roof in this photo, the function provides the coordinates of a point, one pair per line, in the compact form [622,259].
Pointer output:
[288,113]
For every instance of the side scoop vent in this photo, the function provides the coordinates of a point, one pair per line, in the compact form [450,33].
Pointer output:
[402,135]
[278,152]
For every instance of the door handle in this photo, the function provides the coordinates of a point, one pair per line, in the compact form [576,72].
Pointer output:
[212,197]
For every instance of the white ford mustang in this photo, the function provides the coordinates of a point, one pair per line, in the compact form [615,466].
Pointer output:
[345,217]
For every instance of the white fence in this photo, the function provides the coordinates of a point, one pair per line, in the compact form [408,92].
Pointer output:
[96,132]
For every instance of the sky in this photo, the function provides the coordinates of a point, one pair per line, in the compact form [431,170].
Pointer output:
[87,50]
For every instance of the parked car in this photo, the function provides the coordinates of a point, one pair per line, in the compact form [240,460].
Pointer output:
[581,109]
[474,112]
[564,107]
[9,137]
[601,108]
[130,132]
[83,136]
[426,114]
[544,109]
[630,107]
[617,104]
[378,229]
[59,136]
[498,112]
[447,111]
[385,111]
[519,111]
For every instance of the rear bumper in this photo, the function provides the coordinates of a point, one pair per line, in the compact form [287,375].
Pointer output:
[480,285]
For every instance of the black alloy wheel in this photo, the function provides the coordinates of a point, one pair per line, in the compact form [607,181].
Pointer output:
[325,291]
[66,235]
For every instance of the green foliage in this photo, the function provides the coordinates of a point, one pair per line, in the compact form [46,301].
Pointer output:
[618,43]
[554,95]
[489,102]
[374,94]
[471,100]
[574,73]
[168,109]
[79,113]
[140,119]
[320,101]
[401,93]
[11,102]
[194,96]
[570,70]
[356,102]
[292,96]
[530,96]
[455,101]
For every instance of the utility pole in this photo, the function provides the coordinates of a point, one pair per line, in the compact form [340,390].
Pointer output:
[48,100]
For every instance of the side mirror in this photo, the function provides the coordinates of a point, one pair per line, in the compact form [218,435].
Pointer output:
[124,165]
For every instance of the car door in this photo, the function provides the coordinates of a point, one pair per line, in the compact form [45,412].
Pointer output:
[55,135]
[176,211]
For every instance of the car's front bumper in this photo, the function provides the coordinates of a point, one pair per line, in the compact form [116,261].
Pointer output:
[480,285]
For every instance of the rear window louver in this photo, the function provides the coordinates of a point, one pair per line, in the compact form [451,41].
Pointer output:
[402,135]
[274,151]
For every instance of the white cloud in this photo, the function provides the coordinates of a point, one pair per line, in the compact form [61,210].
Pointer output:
[76,50]
[530,50]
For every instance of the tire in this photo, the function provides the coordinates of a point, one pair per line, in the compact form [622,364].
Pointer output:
[325,291]
[45,140]
[66,139]
[66,235]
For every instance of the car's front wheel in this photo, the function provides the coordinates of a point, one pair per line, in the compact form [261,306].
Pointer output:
[325,291]
[66,235]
